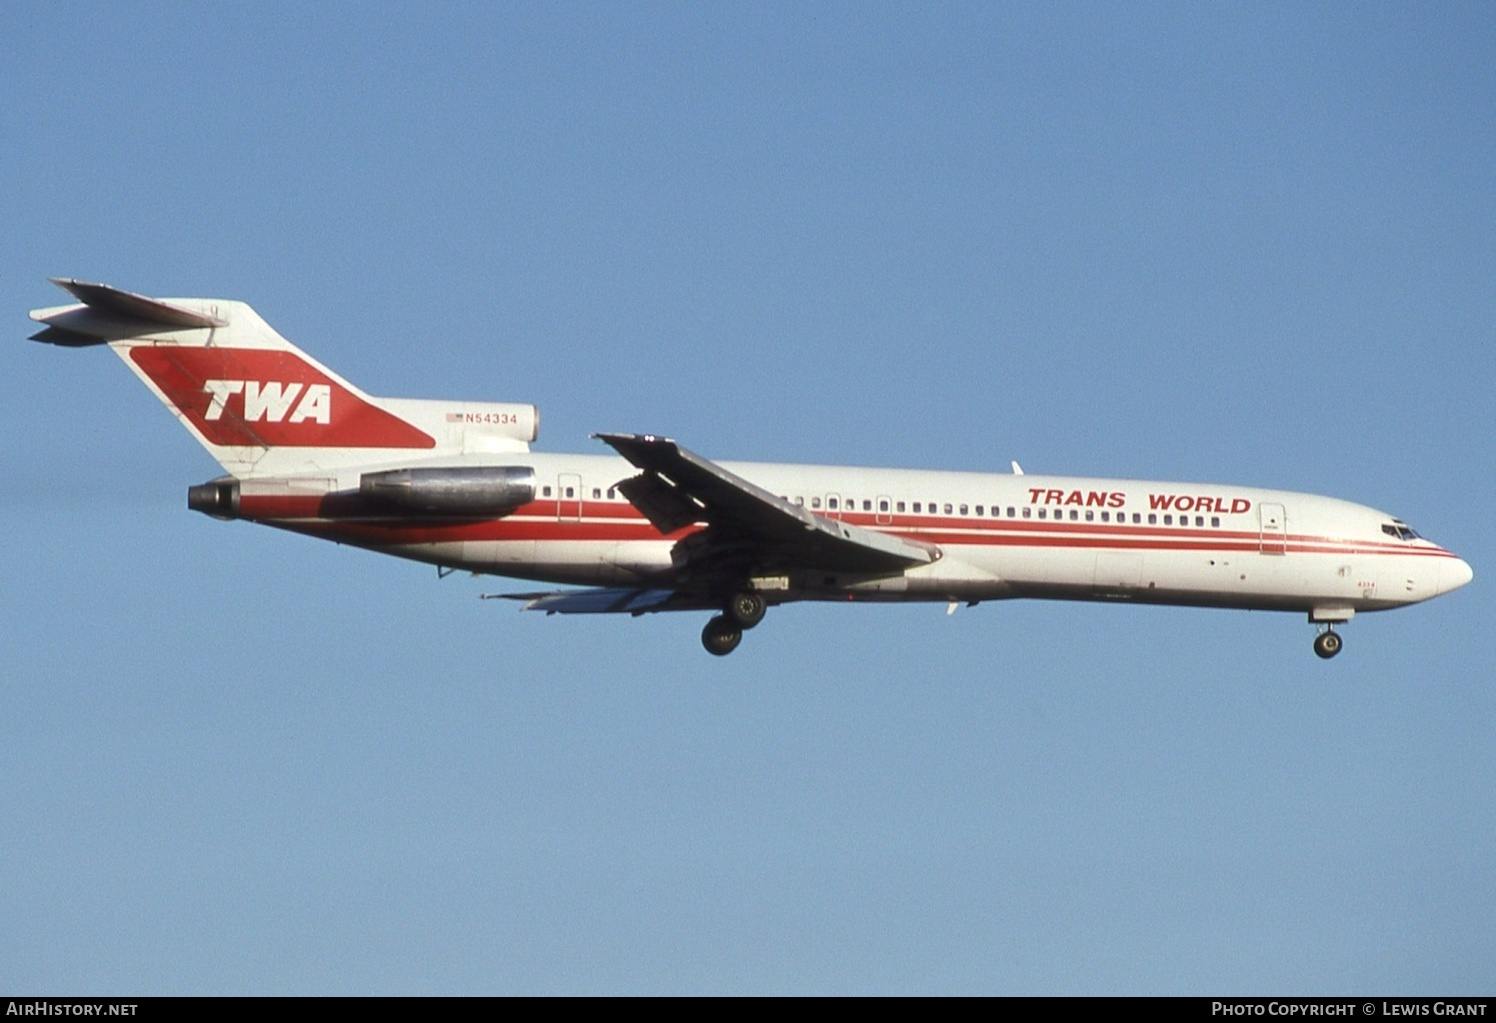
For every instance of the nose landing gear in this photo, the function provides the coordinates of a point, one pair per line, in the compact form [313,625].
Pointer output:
[1328,643]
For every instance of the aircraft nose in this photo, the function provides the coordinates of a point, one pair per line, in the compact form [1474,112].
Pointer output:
[1454,574]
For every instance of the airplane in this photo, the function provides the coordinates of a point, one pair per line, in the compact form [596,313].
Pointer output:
[655,527]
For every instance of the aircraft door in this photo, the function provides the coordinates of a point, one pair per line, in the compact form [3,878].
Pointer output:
[834,506]
[569,497]
[1272,537]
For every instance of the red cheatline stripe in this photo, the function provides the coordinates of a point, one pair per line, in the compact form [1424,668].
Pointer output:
[537,521]
[520,528]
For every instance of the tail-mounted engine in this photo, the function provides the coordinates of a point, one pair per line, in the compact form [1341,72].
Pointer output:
[452,492]
[460,491]
[218,498]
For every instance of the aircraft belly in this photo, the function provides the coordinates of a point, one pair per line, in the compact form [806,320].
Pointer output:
[1117,573]
[1231,579]
[1408,580]
[1237,579]
[962,574]
[448,553]
[1023,566]
[501,557]
[583,563]
[642,557]
[493,557]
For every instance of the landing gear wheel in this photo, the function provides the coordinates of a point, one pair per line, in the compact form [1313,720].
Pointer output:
[721,636]
[746,609]
[1327,644]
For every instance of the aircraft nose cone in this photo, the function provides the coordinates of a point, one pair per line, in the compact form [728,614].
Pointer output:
[1454,574]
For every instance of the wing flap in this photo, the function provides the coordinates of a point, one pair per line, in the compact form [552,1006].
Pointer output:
[603,601]
[661,502]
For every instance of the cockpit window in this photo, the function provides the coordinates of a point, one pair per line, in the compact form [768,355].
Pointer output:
[1400,530]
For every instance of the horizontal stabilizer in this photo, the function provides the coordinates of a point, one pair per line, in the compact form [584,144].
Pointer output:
[130,306]
[55,335]
[109,314]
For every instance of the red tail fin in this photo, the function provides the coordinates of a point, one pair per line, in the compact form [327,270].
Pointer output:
[249,397]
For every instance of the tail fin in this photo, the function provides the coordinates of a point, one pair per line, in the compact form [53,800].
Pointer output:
[260,405]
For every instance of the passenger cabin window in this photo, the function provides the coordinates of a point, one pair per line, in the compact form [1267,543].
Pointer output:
[916,507]
[815,502]
[963,509]
[899,506]
[612,493]
[1027,512]
[947,509]
[597,493]
[867,505]
[545,491]
[831,503]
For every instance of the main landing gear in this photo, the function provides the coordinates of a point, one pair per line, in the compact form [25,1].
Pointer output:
[725,631]
[746,609]
[1328,643]
[721,636]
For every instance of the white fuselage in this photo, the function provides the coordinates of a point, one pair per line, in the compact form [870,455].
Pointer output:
[999,536]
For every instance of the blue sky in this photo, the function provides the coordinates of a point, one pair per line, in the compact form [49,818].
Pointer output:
[1250,243]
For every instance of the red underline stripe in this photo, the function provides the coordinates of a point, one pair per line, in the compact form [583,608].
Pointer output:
[623,522]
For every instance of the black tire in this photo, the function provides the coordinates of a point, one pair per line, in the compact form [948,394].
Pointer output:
[746,609]
[721,636]
[1328,644]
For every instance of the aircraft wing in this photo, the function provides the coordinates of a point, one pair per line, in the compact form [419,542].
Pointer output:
[678,487]
[606,601]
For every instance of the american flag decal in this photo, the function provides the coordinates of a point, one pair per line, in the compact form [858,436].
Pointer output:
[454,417]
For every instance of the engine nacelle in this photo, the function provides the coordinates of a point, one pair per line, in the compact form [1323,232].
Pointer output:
[218,498]
[459,491]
